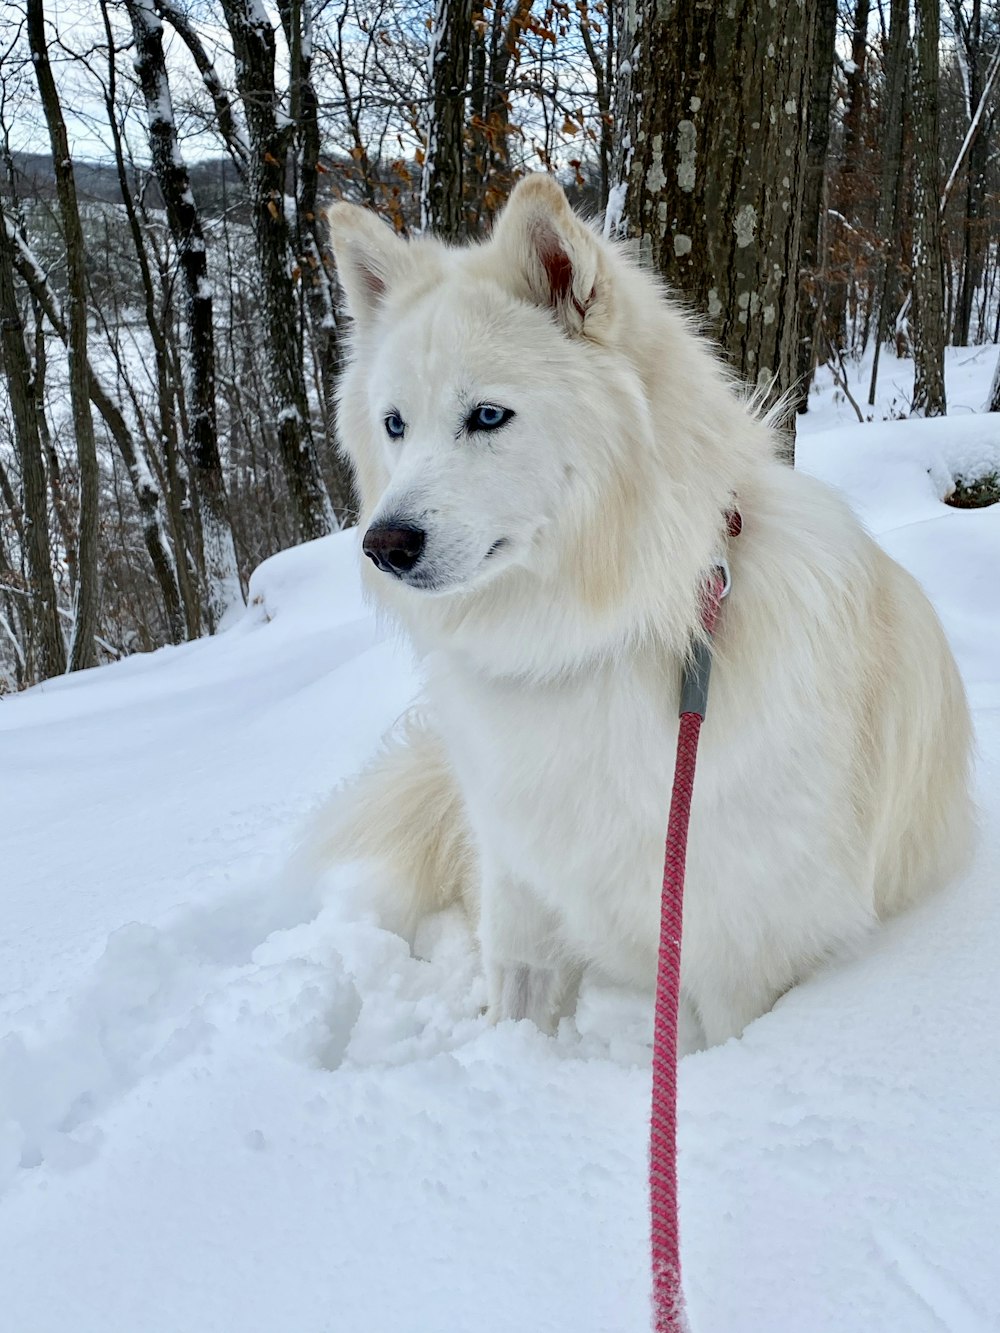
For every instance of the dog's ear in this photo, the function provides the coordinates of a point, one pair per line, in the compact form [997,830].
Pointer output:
[369,257]
[551,257]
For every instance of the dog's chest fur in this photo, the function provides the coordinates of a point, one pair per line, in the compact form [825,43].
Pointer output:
[567,788]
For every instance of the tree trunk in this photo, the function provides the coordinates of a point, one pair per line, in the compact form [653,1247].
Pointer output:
[972,239]
[846,186]
[268,130]
[602,64]
[52,465]
[892,180]
[814,198]
[969,26]
[49,651]
[181,23]
[218,554]
[312,246]
[442,186]
[854,98]
[717,179]
[82,643]
[928,265]
[144,487]
[186,563]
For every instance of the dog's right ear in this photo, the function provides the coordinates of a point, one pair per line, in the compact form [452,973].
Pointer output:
[369,257]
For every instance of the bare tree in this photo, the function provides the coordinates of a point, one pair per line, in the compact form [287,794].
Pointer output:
[226,121]
[847,190]
[217,552]
[82,653]
[855,84]
[269,131]
[971,36]
[442,189]
[186,564]
[314,261]
[928,266]
[892,180]
[42,609]
[601,55]
[814,198]
[146,494]
[497,40]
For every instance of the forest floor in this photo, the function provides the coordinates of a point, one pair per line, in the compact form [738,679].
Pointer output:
[231,1103]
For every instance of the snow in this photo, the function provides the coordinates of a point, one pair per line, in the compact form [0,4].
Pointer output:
[968,374]
[229,1100]
[615,209]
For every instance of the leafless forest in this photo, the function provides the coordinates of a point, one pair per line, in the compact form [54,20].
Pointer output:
[818,180]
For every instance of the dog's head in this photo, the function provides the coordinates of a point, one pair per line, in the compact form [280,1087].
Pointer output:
[482,391]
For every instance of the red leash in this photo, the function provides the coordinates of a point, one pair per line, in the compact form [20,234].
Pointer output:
[668,1297]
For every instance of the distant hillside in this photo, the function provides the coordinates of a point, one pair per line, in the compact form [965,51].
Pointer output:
[215,181]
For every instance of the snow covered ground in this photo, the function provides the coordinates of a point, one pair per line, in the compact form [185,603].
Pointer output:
[229,1103]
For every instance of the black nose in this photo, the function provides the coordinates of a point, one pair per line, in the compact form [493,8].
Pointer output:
[394,549]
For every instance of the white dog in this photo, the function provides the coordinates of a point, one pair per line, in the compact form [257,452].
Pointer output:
[546,454]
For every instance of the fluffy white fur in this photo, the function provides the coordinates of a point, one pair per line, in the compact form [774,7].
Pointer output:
[832,777]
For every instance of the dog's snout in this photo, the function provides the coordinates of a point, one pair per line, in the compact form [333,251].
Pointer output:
[395,549]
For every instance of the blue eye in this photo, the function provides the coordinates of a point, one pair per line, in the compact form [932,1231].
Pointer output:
[488,416]
[395,426]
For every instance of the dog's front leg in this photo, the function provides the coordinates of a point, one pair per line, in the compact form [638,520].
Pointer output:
[525,978]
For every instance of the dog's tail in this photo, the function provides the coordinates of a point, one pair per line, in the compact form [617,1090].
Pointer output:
[403,815]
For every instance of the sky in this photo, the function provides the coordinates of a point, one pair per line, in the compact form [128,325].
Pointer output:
[77,30]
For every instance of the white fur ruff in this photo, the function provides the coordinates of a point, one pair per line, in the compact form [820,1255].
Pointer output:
[556,596]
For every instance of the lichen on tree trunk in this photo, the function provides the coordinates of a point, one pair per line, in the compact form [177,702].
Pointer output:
[717,175]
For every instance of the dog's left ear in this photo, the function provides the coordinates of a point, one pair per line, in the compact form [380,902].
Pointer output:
[553,258]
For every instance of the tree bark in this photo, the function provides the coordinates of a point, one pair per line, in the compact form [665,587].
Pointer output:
[602,63]
[717,180]
[82,643]
[48,649]
[218,554]
[846,192]
[311,243]
[179,512]
[892,180]
[973,247]
[269,131]
[144,487]
[505,53]
[442,186]
[52,464]
[969,32]
[225,119]
[814,198]
[854,98]
[928,265]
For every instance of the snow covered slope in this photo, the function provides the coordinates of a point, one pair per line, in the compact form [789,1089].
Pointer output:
[228,1104]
